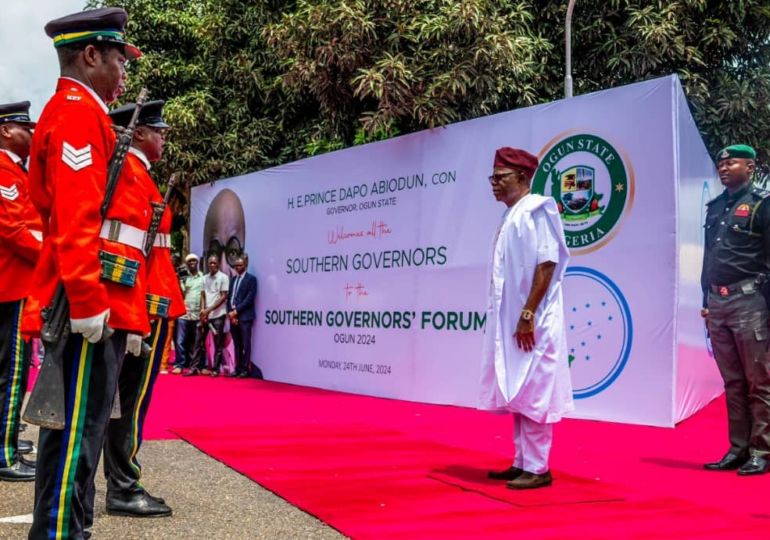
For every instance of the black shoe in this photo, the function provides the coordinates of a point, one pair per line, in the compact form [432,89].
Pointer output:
[159,500]
[728,463]
[135,504]
[22,427]
[192,373]
[755,465]
[18,472]
[243,375]
[26,447]
[511,473]
[28,462]
[215,374]
[232,374]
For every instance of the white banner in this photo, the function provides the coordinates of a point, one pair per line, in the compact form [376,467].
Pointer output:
[371,261]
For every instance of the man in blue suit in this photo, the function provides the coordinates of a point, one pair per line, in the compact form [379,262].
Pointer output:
[240,310]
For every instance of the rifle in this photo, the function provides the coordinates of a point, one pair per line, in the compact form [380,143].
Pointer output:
[157,215]
[46,406]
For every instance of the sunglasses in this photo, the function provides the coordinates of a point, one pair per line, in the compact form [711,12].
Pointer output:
[499,177]
[232,250]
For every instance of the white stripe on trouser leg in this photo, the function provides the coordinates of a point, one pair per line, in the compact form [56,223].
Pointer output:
[533,445]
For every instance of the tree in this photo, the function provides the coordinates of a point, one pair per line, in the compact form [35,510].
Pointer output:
[208,60]
[720,50]
[252,84]
[399,66]
[383,67]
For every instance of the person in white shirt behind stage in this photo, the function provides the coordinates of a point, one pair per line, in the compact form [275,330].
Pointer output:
[525,366]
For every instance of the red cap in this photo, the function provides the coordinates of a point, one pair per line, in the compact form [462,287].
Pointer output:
[521,160]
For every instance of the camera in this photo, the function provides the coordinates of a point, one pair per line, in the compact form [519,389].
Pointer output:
[182,272]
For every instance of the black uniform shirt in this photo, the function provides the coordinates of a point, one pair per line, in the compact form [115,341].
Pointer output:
[736,248]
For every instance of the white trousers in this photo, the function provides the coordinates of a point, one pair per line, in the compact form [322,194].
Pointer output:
[533,444]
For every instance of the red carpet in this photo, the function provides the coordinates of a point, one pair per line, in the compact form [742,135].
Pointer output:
[567,488]
[371,467]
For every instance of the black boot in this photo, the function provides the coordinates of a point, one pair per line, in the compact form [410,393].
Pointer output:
[135,504]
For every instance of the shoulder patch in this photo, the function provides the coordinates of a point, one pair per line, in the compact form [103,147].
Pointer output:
[76,158]
[760,192]
[11,193]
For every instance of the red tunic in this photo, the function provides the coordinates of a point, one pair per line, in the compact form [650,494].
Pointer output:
[161,275]
[19,248]
[71,148]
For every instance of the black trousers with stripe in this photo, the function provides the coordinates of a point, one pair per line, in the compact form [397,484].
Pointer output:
[14,374]
[67,459]
[124,434]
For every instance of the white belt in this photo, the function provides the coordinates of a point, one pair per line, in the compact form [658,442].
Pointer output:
[117,231]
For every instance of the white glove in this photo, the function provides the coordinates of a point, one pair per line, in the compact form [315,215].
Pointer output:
[134,344]
[91,327]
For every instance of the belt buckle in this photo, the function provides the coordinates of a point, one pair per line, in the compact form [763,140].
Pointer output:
[114,233]
[724,291]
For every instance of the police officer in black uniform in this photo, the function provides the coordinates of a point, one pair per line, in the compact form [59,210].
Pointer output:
[735,271]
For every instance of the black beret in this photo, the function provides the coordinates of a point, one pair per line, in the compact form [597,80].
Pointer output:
[105,25]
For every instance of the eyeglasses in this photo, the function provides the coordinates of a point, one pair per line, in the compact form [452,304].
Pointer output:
[232,250]
[499,177]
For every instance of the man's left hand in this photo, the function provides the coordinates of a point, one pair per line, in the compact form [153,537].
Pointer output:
[525,335]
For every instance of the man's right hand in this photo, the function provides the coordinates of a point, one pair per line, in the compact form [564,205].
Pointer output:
[704,313]
[91,327]
[134,344]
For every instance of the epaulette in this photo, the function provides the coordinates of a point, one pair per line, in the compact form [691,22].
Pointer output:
[760,192]
[73,93]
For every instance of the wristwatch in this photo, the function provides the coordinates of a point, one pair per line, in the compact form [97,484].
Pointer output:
[527,315]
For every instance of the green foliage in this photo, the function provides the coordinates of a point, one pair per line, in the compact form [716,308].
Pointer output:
[208,60]
[402,65]
[720,50]
[256,83]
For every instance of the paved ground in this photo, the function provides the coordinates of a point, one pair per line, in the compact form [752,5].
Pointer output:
[210,501]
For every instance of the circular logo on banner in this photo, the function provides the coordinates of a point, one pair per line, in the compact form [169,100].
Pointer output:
[599,330]
[593,184]
[705,198]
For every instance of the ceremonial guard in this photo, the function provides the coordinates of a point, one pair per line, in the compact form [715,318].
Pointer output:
[735,276]
[20,240]
[98,260]
[125,494]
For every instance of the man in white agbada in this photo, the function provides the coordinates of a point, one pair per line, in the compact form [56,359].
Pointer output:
[525,366]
